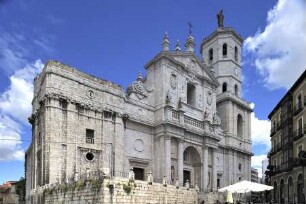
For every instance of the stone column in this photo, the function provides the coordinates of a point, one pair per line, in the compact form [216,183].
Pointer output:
[214,169]
[167,171]
[205,168]
[180,167]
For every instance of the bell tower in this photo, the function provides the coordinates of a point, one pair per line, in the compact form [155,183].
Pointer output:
[221,52]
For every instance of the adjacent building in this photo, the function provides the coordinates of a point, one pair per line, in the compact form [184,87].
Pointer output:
[8,193]
[254,175]
[287,156]
[185,119]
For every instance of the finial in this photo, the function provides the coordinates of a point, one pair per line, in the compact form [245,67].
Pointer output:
[166,43]
[190,44]
[220,18]
[139,76]
[178,46]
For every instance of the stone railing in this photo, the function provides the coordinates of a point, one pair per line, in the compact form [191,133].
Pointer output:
[194,122]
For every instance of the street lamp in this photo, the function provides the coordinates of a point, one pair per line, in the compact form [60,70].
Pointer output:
[302,159]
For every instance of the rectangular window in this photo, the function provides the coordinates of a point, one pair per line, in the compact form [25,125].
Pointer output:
[90,136]
[191,94]
[239,166]
[107,114]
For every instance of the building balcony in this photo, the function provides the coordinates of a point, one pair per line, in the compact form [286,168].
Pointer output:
[299,133]
[297,108]
[278,126]
[273,131]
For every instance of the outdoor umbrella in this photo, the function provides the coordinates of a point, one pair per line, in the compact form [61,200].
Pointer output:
[246,186]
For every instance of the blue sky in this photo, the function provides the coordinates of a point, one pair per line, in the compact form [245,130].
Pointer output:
[114,39]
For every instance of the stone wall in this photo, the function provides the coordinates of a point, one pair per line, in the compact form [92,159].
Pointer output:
[124,192]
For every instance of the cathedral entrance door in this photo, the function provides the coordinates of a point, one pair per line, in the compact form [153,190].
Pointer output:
[186,176]
[139,173]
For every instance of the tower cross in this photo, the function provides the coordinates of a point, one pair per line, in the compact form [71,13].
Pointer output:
[190,27]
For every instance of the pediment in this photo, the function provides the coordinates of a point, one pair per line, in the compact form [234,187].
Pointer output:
[193,65]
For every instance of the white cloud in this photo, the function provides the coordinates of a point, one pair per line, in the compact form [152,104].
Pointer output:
[18,49]
[16,100]
[280,49]
[260,131]
[257,163]
[15,108]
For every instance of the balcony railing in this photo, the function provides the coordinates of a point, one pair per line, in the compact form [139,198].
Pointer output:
[273,131]
[90,140]
[297,108]
[299,133]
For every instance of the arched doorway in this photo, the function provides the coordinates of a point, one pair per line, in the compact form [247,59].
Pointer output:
[300,188]
[290,190]
[275,192]
[192,166]
[281,191]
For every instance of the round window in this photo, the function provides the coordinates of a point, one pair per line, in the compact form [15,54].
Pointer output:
[90,156]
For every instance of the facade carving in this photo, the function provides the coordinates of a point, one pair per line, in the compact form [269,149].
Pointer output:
[176,122]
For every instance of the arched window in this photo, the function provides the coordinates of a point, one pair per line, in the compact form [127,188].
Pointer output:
[300,188]
[211,54]
[224,50]
[236,53]
[239,126]
[236,90]
[224,87]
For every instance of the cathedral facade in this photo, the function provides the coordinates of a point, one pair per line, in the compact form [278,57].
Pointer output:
[184,120]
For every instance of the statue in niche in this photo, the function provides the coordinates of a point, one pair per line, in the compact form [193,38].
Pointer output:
[206,114]
[209,98]
[168,97]
[220,18]
[216,119]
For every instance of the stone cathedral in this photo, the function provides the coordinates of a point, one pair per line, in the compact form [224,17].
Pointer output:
[184,120]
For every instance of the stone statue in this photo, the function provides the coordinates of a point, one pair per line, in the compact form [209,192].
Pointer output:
[177,183]
[165,181]
[150,178]
[187,185]
[76,176]
[196,187]
[131,175]
[220,18]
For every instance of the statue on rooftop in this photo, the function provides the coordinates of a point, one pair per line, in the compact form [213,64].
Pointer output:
[220,18]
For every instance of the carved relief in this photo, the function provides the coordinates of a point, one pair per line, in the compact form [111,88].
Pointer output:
[192,65]
[173,81]
[139,145]
[139,88]
[90,94]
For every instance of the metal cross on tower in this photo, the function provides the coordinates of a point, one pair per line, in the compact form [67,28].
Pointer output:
[190,27]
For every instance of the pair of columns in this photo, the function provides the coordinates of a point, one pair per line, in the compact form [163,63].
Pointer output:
[180,163]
